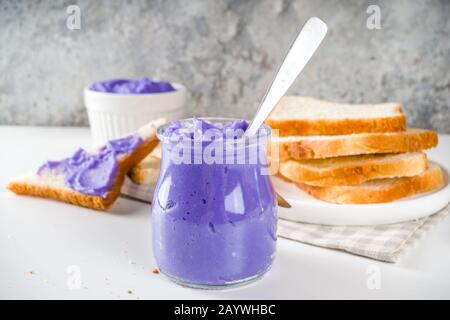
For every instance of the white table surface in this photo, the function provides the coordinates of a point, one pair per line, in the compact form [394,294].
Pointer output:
[42,240]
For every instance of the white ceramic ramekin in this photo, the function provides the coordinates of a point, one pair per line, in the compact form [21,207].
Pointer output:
[113,115]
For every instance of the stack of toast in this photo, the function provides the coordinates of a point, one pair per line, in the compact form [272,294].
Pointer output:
[351,153]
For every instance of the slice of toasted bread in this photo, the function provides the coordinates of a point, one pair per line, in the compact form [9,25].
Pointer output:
[319,147]
[51,185]
[147,171]
[305,116]
[351,170]
[378,191]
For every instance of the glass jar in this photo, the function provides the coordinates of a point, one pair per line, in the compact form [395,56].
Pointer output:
[214,224]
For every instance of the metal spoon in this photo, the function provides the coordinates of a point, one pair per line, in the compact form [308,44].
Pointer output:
[304,46]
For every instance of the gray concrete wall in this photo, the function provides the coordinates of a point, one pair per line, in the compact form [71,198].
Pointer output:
[225,52]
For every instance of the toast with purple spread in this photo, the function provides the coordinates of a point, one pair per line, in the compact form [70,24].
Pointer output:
[90,179]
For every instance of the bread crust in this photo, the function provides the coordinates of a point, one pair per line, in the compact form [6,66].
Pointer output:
[362,194]
[309,148]
[355,172]
[311,127]
[303,127]
[125,163]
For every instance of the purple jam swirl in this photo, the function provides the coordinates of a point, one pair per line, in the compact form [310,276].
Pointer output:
[198,128]
[126,86]
[92,174]
[213,224]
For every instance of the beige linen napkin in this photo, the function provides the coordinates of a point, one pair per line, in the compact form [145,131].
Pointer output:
[383,242]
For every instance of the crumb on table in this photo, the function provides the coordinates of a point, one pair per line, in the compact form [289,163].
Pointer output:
[130,292]
[155,270]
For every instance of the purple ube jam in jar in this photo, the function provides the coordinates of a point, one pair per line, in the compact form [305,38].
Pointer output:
[214,220]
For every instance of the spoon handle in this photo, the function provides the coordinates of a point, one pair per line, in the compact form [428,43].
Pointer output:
[304,46]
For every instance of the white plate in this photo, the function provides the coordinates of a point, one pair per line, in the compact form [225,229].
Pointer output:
[308,209]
